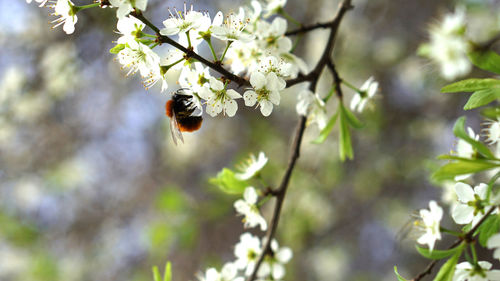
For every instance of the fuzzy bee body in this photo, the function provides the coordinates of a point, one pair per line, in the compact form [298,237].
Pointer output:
[181,111]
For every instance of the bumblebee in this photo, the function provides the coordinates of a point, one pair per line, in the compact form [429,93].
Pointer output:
[183,113]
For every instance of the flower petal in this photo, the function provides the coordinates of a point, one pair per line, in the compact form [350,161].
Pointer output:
[464,192]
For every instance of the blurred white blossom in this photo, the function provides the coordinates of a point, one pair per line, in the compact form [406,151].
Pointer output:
[251,166]
[448,45]
[466,272]
[247,251]
[249,209]
[431,219]
[366,93]
[127,6]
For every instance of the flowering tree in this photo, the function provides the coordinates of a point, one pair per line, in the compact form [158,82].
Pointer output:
[255,67]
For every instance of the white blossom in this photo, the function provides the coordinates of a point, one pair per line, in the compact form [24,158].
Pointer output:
[466,272]
[127,6]
[66,12]
[366,93]
[494,243]
[233,28]
[465,149]
[219,99]
[42,2]
[473,203]
[273,6]
[272,36]
[431,219]
[270,64]
[241,56]
[251,166]
[249,209]
[130,28]
[449,47]
[229,272]
[311,105]
[265,91]
[139,57]
[275,265]
[180,22]
[194,78]
[492,131]
[247,251]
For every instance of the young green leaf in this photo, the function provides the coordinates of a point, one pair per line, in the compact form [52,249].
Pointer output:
[482,97]
[448,269]
[326,131]
[168,272]
[345,145]
[488,228]
[156,274]
[116,49]
[459,131]
[463,167]
[470,85]
[228,183]
[435,254]
[353,121]
[491,112]
[400,278]
[486,60]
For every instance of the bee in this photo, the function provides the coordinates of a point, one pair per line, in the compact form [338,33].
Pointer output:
[182,113]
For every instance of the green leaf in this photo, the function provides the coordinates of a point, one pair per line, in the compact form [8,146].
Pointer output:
[488,228]
[435,254]
[486,60]
[482,97]
[353,121]
[470,85]
[462,167]
[400,278]
[228,183]
[491,112]
[345,145]
[326,131]
[168,272]
[448,269]
[156,274]
[459,131]
[116,49]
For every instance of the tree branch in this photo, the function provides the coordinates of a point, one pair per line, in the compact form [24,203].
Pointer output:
[313,77]
[305,28]
[190,53]
[467,237]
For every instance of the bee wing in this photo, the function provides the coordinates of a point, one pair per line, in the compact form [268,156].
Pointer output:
[175,131]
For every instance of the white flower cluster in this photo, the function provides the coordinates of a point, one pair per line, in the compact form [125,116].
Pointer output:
[253,46]
[448,45]
[250,247]
[247,252]
[255,49]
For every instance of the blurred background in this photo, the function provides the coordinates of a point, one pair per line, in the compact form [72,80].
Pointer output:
[92,187]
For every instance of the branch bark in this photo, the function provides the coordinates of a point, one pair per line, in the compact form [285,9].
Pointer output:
[312,77]
[308,28]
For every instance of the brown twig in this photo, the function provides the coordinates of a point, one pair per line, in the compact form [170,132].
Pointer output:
[336,78]
[190,53]
[304,28]
[467,237]
[312,77]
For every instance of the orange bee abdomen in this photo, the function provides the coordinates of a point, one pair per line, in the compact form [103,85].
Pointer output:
[190,124]
[169,108]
